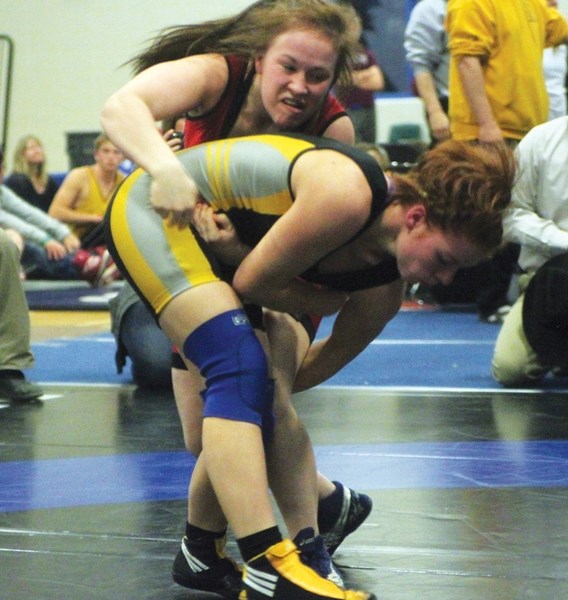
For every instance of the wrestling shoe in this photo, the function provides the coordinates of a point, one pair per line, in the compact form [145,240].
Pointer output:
[279,574]
[313,553]
[217,573]
[355,509]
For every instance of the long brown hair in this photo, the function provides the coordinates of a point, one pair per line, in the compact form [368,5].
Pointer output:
[21,165]
[465,187]
[250,32]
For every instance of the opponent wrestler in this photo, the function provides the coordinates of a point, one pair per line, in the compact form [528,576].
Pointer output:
[326,211]
[269,68]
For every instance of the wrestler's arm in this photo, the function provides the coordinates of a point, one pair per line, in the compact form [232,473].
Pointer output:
[357,324]
[221,236]
[341,130]
[129,118]
[332,203]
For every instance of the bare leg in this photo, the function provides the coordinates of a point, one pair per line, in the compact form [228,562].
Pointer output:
[291,462]
[232,451]
[290,457]
[187,386]
[246,512]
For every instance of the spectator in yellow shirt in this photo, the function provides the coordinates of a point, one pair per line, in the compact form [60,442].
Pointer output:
[496,83]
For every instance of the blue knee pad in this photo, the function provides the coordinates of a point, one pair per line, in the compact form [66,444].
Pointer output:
[230,357]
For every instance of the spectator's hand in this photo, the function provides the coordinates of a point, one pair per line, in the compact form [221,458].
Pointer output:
[71,243]
[490,133]
[55,250]
[439,125]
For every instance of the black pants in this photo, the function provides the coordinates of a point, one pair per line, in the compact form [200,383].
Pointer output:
[485,285]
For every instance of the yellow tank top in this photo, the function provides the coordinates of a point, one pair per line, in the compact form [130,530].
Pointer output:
[95,203]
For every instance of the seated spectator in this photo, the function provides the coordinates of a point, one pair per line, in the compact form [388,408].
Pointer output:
[29,178]
[15,352]
[81,201]
[50,250]
[538,221]
[138,336]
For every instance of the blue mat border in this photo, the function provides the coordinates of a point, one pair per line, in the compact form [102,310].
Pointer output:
[422,349]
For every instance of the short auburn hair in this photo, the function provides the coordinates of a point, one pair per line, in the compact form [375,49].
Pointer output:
[465,188]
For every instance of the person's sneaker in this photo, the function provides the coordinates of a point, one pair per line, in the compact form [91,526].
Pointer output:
[110,274]
[354,510]
[313,553]
[559,372]
[496,317]
[279,574]
[221,575]
[91,265]
[17,388]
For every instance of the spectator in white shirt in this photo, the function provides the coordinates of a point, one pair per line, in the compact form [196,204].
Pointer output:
[538,221]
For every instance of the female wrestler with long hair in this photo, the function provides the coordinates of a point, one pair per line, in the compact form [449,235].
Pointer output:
[267,69]
[312,211]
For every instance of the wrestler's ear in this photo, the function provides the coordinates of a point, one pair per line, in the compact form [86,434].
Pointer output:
[414,216]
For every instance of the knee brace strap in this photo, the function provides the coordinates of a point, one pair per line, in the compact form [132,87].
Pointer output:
[230,357]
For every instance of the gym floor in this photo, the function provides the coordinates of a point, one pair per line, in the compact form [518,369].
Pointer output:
[469,489]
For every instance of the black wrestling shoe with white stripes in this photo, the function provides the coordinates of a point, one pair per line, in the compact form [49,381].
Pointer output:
[279,574]
[314,554]
[219,574]
[355,509]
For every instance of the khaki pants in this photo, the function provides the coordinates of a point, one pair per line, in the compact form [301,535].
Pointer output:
[15,350]
[514,361]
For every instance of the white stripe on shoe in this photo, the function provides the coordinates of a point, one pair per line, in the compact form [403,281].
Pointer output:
[194,563]
[263,583]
